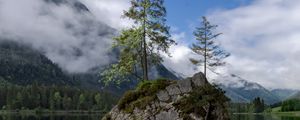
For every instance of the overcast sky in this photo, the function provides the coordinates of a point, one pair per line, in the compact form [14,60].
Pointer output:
[261,35]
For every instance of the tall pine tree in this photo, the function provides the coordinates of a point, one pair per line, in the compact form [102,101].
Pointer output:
[140,45]
[207,47]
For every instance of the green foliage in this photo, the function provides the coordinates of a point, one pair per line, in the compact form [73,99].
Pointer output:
[241,107]
[128,42]
[54,98]
[143,95]
[141,44]
[202,96]
[258,105]
[207,47]
[290,105]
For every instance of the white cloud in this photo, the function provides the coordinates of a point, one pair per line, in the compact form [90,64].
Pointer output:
[75,40]
[263,38]
[180,54]
[109,11]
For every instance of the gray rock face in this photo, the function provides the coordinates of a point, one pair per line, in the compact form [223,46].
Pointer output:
[185,85]
[163,95]
[173,90]
[199,79]
[167,115]
[162,108]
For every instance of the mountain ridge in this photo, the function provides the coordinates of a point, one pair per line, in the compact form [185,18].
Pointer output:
[241,90]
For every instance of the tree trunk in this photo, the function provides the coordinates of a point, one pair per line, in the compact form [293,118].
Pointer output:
[145,71]
[208,112]
[145,61]
[205,51]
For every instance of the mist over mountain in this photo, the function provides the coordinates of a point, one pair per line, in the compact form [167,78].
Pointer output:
[284,94]
[22,65]
[241,90]
[295,95]
[64,30]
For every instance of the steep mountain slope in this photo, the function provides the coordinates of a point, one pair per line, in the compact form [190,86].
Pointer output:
[295,95]
[19,64]
[240,90]
[22,65]
[284,94]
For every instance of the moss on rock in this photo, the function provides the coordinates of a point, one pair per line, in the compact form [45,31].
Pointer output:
[143,95]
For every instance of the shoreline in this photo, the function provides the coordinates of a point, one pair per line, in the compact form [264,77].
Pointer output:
[291,113]
[50,112]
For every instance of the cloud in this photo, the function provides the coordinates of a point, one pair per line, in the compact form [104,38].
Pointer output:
[263,38]
[110,11]
[75,40]
[180,54]
[179,61]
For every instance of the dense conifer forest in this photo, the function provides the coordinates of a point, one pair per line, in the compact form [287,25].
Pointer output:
[36,97]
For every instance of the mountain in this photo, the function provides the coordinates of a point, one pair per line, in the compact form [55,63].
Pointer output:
[284,94]
[241,90]
[22,65]
[295,95]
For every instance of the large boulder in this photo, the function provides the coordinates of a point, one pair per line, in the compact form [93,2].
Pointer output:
[165,105]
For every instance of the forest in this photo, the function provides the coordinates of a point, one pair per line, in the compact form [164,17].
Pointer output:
[50,98]
[256,106]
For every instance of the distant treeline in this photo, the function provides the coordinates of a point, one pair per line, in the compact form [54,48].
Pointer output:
[32,97]
[290,105]
[256,106]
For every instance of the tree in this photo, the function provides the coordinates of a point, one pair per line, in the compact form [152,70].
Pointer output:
[9,98]
[19,100]
[207,47]
[97,98]
[258,105]
[205,100]
[57,100]
[81,101]
[51,100]
[66,102]
[212,96]
[140,45]
[44,97]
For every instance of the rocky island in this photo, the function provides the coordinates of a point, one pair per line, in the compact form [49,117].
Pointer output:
[189,99]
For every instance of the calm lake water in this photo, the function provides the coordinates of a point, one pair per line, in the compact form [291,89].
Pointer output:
[264,117]
[50,117]
[98,117]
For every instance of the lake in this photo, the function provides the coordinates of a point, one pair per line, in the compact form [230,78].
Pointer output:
[264,117]
[51,117]
[98,117]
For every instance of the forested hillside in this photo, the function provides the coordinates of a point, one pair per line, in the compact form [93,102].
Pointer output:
[22,65]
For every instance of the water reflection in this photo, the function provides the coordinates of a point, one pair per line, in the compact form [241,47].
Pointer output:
[50,117]
[98,117]
[263,117]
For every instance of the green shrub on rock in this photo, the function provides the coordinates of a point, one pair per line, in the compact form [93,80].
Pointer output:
[142,95]
[205,100]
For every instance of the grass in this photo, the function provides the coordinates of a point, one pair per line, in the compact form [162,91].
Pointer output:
[143,95]
[276,109]
[291,113]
